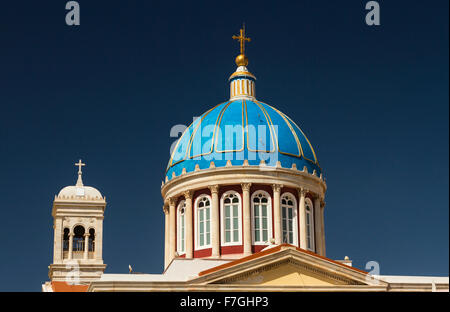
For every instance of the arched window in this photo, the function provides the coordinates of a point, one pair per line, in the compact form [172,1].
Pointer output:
[181,228]
[309,224]
[203,222]
[231,218]
[289,219]
[91,240]
[66,239]
[78,238]
[261,217]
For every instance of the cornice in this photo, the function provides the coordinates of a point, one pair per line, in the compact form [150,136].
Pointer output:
[235,175]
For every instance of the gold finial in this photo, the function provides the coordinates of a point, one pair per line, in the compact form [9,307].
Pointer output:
[241,59]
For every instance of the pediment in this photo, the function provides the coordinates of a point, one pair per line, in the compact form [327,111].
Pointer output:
[287,267]
[287,273]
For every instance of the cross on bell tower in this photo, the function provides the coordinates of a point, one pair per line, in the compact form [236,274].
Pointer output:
[80,180]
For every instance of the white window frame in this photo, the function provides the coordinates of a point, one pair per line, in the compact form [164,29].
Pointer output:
[294,217]
[197,220]
[309,217]
[222,220]
[269,217]
[182,204]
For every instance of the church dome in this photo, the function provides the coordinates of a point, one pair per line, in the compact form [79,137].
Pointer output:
[242,129]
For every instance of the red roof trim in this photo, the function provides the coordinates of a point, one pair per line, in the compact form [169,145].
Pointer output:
[64,287]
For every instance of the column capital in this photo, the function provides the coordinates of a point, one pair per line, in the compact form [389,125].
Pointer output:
[246,186]
[277,187]
[172,201]
[302,191]
[322,203]
[214,188]
[166,209]
[86,234]
[318,196]
[187,194]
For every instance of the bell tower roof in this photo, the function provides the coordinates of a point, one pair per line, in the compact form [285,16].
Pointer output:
[79,191]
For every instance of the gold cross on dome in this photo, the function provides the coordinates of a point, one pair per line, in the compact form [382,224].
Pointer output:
[242,39]
[79,164]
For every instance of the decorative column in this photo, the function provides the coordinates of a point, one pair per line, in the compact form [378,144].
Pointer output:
[189,225]
[166,234]
[215,221]
[172,243]
[277,214]
[86,246]
[302,215]
[247,218]
[98,247]
[318,225]
[322,205]
[57,246]
[70,246]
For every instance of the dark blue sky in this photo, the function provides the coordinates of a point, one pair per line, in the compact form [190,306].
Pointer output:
[373,101]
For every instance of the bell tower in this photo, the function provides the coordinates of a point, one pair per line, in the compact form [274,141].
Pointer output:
[78,233]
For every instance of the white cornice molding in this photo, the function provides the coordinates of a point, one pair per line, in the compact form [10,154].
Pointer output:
[243,174]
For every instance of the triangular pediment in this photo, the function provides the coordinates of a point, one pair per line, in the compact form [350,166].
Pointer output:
[286,266]
[286,273]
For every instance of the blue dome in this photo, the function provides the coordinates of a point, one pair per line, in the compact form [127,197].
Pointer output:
[242,129]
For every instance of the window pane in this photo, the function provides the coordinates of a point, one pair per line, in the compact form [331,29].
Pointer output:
[207,213]
[207,239]
[235,223]
[256,223]
[201,240]
[236,235]
[227,211]
[264,223]
[227,224]
[265,235]
[257,236]
[227,236]
[235,210]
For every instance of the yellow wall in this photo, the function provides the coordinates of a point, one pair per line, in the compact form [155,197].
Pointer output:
[287,275]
